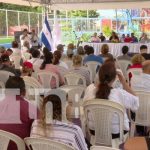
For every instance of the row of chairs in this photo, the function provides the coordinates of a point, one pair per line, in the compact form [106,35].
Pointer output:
[37,143]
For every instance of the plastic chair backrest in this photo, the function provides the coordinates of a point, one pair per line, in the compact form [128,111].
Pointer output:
[102,112]
[6,137]
[26,56]
[75,96]
[49,110]
[123,64]
[45,144]
[143,113]
[4,75]
[93,68]
[75,79]
[102,148]
[46,77]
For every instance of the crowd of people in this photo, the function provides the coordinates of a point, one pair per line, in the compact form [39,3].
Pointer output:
[74,60]
[114,38]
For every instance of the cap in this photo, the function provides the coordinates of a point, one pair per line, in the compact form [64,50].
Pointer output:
[28,65]
[5,58]
[60,46]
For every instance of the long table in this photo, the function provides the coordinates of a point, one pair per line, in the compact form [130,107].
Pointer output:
[115,48]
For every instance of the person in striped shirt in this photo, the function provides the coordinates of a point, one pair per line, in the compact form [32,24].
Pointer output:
[67,133]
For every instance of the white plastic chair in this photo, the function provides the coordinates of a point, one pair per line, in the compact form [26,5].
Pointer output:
[92,67]
[33,90]
[49,111]
[46,77]
[123,64]
[6,137]
[143,113]
[102,148]
[69,63]
[75,96]
[2,85]
[102,112]
[75,79]
[45,144]
[16,59]
[4,75]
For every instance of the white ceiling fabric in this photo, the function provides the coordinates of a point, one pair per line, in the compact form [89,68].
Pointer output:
[88,4]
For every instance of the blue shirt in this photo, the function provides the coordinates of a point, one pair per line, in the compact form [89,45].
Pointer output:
[93,57]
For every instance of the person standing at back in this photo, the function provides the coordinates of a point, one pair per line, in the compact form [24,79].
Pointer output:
[24,38]
[92,57]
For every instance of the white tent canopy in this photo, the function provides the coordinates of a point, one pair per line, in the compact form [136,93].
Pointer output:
[86,4]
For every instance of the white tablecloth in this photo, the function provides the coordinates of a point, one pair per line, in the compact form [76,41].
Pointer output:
[115,48]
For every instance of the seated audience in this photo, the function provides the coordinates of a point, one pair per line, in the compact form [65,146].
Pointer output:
[70,48]
[144,52]
[48,66]
[17,120]
[35,60]
[77,68]
[9,52]
[81,52]
[105,90]
[2,50]
[142,82]
[114,38]
[128,39]
[105,52]
[125,50]
[144,39]
[6,65]
[91,56]
[26,47]
[95,38]
[86,49]
[102,37]
[27,69]
[57,60]
[137,61]
[15,48]
[134,38]
[67,133]
[60,48]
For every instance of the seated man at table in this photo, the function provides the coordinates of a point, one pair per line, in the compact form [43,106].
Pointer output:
[92,57]
[142,82]
[125,56]
[143,51]
[95,38]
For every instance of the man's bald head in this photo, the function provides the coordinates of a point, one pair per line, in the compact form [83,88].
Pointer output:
[146,66]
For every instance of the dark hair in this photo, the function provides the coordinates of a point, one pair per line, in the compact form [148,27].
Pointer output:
[48,57]
[143,47]
[10,50]
[35,53]
[80,50]
[90,50]
[125,49]
[107,73]
[57,57]
[15,82]
[57,110]
[25,30]
[15,44]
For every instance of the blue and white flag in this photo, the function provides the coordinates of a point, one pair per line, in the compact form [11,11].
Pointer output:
[46,37]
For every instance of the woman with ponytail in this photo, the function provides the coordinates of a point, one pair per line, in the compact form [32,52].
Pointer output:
[105,90]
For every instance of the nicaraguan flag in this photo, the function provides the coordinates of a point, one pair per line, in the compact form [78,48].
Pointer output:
[46,37]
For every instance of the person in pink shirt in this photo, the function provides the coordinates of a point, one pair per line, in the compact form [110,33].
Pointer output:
[95,38]
[48,66]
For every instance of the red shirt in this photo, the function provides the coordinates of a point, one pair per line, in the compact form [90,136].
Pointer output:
[128,40]
[9,109]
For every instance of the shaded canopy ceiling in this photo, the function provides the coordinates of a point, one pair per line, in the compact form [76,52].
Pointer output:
[84,4]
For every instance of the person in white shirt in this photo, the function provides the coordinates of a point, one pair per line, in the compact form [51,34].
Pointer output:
[35,60]
[105,90]
[34,39]
[24,37]
[142,82]
[15,48]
